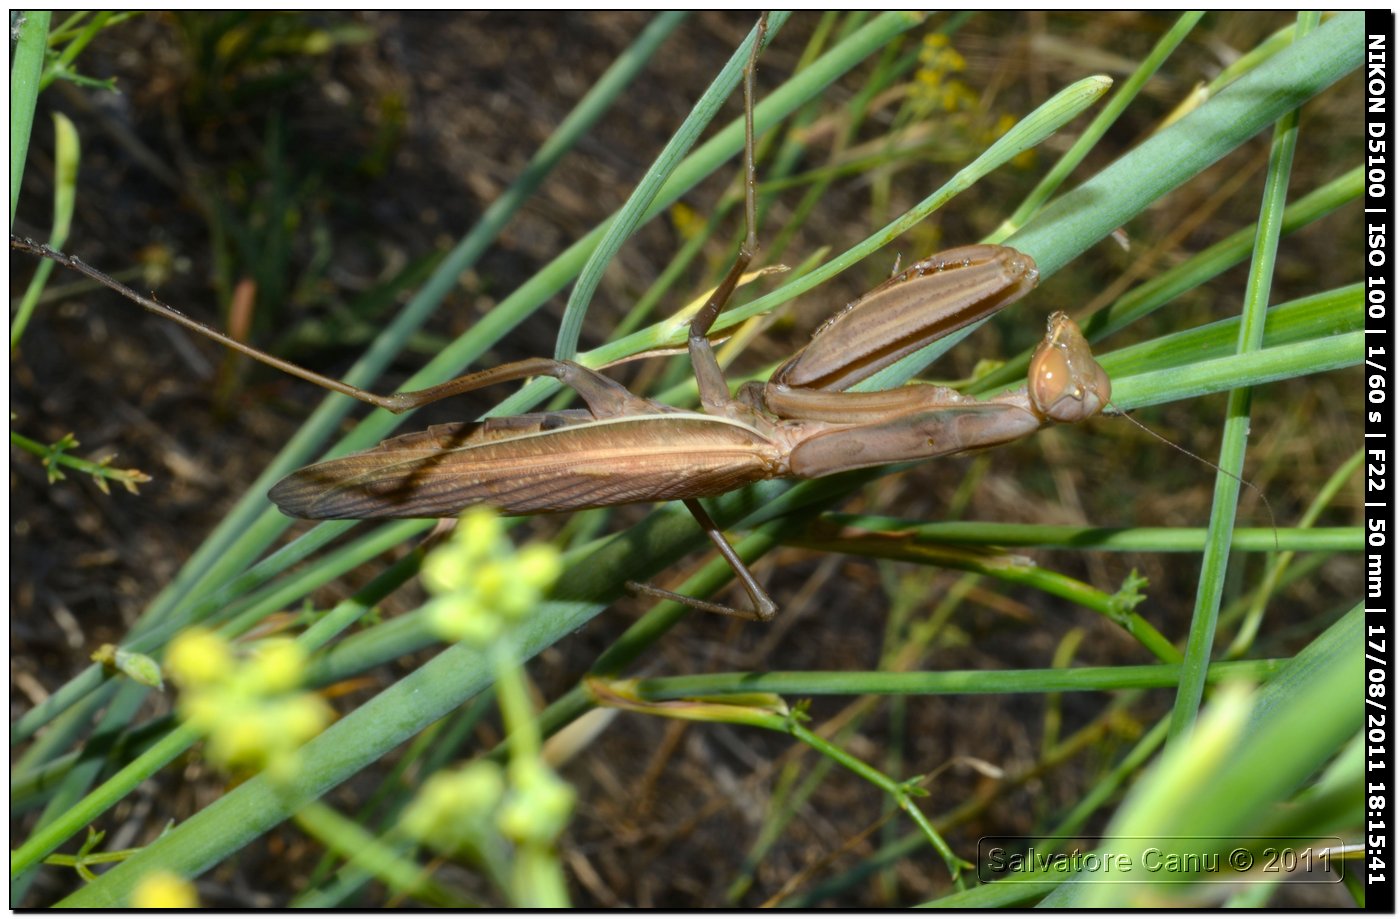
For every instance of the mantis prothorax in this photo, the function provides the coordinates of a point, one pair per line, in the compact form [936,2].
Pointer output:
[624,448]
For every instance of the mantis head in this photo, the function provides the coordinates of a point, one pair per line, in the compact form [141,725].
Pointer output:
[1066,383]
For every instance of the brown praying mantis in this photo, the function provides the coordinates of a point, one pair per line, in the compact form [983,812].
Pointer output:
[623,448]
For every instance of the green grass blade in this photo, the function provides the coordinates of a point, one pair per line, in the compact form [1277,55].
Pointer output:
[947,682]
[1074,222]
[1201,638]
[1284,738]
[1200,268]
[1097,128]
[634,210]
[25,71]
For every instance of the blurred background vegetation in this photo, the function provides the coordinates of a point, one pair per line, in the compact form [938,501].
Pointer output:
[296,177]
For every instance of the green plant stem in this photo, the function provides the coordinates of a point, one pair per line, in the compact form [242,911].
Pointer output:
[61,64]
[1101,539]
[1002,567]
[364,851]
[67,153]
[54,454]
[1254,615]
[1227,484]
[947,682]
[900,792]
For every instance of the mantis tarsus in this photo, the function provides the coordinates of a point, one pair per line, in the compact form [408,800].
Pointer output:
[624,448]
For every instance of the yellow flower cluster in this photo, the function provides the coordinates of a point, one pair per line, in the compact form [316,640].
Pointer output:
[938,60]
[247,705]
[481,583]
[936,88]
[461,811]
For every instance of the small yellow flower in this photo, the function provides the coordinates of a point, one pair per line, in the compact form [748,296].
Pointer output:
[241,741]
[958,97]
[248,709]
[459,617]
[933,46]
[277,665]
[303,716]
[540,565]
[687,222]
[198,657]
[937,60]
[952,61]
[203,710]
[163,890]
[490,580]
[443,571]
[480,531]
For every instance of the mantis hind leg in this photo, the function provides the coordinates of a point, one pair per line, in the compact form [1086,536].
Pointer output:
[605,397]
[763,608]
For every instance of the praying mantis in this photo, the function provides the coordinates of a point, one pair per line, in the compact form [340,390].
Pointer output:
[623,448]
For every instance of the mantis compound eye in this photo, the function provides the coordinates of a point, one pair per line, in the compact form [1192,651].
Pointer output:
[1066,383]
